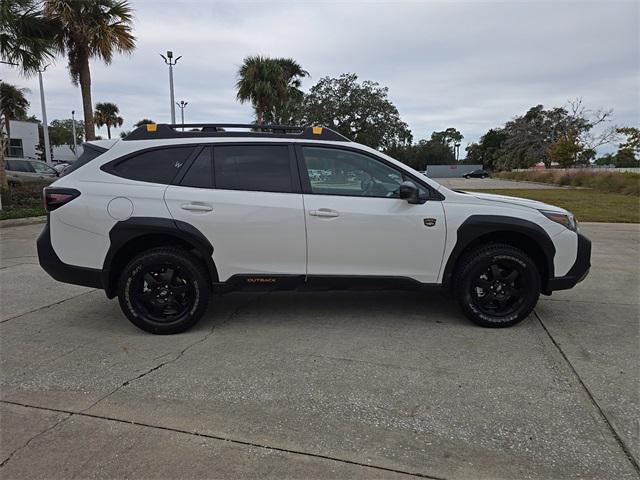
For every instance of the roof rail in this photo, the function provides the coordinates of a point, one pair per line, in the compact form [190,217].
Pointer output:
[159,131]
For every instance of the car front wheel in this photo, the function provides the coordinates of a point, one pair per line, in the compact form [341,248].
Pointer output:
[497,285]
[164,290]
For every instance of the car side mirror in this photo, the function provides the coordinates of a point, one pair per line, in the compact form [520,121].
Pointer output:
[409,192]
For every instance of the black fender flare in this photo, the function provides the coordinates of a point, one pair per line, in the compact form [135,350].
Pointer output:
[477,226]
[125,231]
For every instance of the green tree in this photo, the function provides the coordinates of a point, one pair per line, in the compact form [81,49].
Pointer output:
[487,150]
[26,35]
[565,151]
[632,140]
[61,133]
[272,85]
[359,111]
[144,121]
[90,29]
[106,114]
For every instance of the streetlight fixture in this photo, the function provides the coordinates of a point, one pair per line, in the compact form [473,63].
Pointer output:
[181,104]
[169,61]
[45,125]
[73,128]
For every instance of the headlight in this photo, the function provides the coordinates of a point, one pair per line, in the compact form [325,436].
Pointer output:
[567,220]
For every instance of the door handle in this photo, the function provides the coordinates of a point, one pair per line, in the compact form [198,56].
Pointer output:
[196,207]
[324,212]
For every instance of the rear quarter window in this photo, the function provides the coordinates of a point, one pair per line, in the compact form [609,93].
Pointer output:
[159,165]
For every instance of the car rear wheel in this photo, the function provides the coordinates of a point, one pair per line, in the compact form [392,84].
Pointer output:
[164,290]
[497,285]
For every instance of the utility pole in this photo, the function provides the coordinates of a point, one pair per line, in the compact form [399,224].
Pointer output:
[73,128]
[45,125]
[181,104]
[168,60]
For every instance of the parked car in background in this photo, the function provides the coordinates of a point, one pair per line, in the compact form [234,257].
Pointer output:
[24,170]
[477,174]
[60,166]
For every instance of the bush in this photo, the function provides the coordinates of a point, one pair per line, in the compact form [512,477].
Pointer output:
[604,181]
[22,201]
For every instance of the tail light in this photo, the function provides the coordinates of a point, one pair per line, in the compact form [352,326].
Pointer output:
[53,198]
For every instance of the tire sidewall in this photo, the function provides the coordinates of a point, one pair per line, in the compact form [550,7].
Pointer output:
[130,277]
[479,264]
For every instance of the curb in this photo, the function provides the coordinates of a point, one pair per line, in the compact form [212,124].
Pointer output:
[16,222]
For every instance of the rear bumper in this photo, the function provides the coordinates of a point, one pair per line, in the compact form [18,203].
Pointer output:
[61,271]
[578,271]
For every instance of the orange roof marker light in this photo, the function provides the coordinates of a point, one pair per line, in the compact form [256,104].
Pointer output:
[151,127]
[317,130]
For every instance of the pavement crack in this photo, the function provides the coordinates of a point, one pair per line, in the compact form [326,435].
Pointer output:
[47,306]
[232,440]
[39,434]
[177,357]
[592,399]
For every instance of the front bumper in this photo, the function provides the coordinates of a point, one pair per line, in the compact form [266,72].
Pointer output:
[61,271]
[578,271]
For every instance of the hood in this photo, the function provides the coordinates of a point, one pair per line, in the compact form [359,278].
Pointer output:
[523,202]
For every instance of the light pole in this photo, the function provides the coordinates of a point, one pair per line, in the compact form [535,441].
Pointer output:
[182,104]
[168,60]
[73,128]
[45,125]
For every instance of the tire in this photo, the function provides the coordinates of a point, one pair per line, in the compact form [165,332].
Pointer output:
[497,285]
[164,290]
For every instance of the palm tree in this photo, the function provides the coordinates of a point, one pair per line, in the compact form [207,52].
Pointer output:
[268,84]
[26,41]
[289,109]
[26,35]
[144,121]
[90,29]
[106,114]
[13,106]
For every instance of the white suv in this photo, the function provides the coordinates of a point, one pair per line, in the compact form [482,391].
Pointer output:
[165,217]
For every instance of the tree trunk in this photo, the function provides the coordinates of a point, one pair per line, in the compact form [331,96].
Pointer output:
[4,145]
[87,104]
[109,131]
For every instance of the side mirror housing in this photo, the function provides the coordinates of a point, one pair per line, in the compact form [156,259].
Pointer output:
[409,192]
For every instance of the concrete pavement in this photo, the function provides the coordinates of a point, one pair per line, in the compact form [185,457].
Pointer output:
[323,384]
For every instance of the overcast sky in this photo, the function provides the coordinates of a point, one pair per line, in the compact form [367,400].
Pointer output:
[471,65]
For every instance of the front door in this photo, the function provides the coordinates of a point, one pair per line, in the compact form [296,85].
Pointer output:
[358,225]
[246,200]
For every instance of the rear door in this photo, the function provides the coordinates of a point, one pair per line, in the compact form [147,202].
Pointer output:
[358,226]
[246,199]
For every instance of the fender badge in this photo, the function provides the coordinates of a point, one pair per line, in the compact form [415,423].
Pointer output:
[429,222]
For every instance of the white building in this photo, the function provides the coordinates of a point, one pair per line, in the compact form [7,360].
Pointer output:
[24,139]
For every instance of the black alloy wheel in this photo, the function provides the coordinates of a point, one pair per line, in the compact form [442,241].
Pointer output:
[165,290]
[497,285]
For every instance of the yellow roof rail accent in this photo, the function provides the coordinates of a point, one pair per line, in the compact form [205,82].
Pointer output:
[151,127]
[316,130]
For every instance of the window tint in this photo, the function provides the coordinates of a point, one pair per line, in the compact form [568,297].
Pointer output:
[342,172]
[199,174]
[264,168]
[42,168]
[156,166]
[19,166]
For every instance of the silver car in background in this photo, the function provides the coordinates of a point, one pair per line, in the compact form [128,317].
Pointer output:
[24,170]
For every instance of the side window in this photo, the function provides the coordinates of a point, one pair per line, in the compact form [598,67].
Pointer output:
[155,166]
[19,166]
[341,172]
[42,168]
[261,168]
[199,174]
